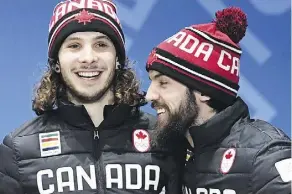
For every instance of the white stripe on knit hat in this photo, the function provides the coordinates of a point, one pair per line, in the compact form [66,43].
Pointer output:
[116,28]
[65,20]
[213,40]
[74,15]
[111,2]
[196,73]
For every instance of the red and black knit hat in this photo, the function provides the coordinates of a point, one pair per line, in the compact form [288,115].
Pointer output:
[205,57]
[72,16]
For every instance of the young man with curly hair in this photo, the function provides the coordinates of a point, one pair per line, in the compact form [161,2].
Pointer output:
[90,135]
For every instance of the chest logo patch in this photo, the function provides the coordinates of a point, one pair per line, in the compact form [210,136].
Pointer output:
[227,160]
[50,144]
[141,140]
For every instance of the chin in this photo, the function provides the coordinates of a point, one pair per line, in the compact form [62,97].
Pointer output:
[162,120]
[87,96]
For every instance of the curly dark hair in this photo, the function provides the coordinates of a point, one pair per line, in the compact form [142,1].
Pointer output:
[125,84]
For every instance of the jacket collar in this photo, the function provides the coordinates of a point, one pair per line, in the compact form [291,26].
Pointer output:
[219,126]
[77,115]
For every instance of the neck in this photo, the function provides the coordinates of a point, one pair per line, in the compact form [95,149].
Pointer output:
[205,113]
[95,109]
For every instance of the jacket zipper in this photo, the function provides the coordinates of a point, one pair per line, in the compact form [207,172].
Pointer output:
[95,144]
[97,157]
[95,134]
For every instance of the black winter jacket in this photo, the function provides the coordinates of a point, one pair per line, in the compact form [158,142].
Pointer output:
[62,152]
[234,154]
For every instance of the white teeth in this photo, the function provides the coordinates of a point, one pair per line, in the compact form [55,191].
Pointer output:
[88,74]
[160,110]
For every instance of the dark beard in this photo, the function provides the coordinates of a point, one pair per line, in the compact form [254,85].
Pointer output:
[178,123]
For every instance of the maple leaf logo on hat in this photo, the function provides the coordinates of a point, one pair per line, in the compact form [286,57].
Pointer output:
[84,17]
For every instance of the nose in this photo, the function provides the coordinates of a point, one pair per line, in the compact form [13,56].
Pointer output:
[87,56]
[151,94]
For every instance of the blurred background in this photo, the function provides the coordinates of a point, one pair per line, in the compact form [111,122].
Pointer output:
[265,63]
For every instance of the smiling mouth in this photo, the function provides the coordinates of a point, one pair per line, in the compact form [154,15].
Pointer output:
[160,111]
[92,74]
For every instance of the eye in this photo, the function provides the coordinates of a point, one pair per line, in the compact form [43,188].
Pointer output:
[74,46]
[163,83]
[101,44]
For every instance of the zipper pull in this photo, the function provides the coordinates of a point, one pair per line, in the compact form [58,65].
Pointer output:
[95,135]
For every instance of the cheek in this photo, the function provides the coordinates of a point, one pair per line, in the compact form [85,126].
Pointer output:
[109,59]
[66,61]
[172,101]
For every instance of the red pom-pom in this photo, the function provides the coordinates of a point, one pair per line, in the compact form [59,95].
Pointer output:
[232,21]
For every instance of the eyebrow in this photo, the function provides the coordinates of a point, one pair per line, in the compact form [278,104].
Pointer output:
[156,76]
[95,38]
[101,37]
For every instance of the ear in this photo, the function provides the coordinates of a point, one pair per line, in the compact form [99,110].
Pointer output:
[56,67]
[118,65]
[201,97]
